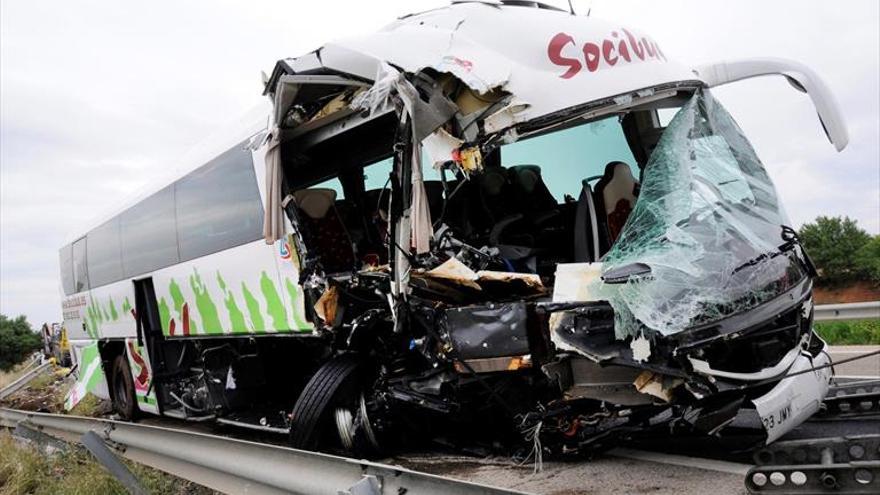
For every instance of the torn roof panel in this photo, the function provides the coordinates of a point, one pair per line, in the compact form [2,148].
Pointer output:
[549,60]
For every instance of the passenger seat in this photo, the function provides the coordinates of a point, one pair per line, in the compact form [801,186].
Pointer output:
[534,197]
[325,234]
[616,195]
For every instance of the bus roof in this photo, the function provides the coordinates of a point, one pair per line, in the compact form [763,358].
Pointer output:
[547,59]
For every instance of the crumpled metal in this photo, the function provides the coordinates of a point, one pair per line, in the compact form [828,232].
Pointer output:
[389,83]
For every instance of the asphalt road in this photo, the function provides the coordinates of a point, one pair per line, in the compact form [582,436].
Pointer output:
[869,367]
[606,474]
[686,465]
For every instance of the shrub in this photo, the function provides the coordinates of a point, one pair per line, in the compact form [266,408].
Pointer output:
[832,243]
[17,341]
[868,260]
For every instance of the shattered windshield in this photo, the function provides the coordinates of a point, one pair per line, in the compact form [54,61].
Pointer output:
[709,225]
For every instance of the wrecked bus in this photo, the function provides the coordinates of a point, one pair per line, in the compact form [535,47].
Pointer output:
[491,219]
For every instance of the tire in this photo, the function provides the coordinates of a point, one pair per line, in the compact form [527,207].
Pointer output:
[124,400]
[334,381]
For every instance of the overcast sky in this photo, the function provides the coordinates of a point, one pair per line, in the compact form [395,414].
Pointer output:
[97,97]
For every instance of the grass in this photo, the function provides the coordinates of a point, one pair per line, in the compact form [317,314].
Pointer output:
[42,380]
[90,406]
[24,470]
[859,332]
[47,392]
[7,377]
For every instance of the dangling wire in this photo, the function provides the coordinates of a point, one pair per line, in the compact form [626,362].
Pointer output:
[533,434]
[815,368]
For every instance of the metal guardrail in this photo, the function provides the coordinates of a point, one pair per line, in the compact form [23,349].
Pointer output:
[848,465]
[22,381]
[848,311]
[237,466]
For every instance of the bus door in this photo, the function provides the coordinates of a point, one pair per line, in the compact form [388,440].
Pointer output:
[146,351]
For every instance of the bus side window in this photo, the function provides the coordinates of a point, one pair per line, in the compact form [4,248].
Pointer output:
[66,262]
[331,184]
[104,255]
[376,174]
[218,206]
[80,271]
[148,235]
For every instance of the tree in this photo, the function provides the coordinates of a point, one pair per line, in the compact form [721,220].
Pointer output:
[832,243]
[17,341]
[868,260]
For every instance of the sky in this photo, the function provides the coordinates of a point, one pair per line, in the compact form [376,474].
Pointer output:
[97,98]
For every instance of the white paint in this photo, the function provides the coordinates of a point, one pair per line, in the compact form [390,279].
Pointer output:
[826,106]
[701,366]
[489,47]
[794,399]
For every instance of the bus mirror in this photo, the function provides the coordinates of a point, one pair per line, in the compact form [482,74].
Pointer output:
[798,75]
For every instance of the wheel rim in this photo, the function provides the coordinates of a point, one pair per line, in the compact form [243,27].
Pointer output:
[345,427]
[355,422]
[365,421]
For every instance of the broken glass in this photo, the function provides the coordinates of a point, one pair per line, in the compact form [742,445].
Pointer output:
[708,224]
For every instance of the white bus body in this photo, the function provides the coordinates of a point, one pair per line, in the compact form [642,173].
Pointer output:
[191,274]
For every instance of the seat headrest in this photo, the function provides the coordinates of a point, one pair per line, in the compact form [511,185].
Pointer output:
[527,176]
[620,184]
[492,180]
[315,202]
[619,171]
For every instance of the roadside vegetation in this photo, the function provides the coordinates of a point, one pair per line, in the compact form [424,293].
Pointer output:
[848,261]
[17,341]
[861,332]
[844,253]
[47,392]
[25,470]
[7,377]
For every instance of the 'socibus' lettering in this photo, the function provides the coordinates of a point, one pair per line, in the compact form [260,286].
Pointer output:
[606,52]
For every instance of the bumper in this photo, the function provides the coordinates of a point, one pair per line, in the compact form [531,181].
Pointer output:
[794,399]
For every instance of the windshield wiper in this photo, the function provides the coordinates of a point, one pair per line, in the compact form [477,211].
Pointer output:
[790,236]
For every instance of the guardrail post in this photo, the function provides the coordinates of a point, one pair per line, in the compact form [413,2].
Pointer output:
[112,463]
[47,444]
[368,485]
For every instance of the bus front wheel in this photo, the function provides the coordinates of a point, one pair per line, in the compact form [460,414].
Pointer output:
[331,411]
[124,402]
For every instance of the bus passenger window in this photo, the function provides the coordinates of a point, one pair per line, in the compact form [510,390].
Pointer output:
[104,254]
[149,239]
[331,184]
[376,174]
[66,262]
[80,271]
[218,206]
